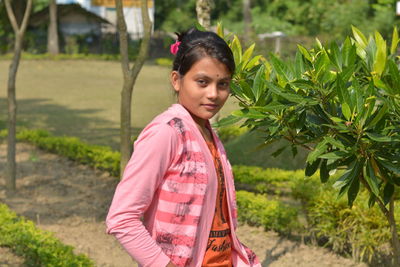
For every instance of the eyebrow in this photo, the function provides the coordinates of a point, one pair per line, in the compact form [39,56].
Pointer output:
[201,75]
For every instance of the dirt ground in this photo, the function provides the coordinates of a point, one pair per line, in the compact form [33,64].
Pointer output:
[72,200]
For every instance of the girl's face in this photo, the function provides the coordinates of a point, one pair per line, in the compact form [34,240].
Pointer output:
[204,89]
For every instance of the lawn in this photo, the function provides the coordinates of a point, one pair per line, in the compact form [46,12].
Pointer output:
[81,98]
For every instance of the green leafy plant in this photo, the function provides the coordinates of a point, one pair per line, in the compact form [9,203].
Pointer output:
[163,61]
[230,132]
[100,157]
[256,209]
[342,103]
[38,247]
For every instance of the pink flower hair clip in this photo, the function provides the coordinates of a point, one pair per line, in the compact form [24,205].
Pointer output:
[175,47]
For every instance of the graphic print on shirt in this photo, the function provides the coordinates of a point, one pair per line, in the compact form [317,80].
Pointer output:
[219,247]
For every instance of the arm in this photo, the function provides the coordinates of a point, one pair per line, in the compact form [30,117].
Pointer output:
[154,152]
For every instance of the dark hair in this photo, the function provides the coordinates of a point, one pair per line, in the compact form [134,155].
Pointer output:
[196,44]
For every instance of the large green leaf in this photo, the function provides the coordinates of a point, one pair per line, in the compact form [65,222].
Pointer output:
[296,98]
[299,67]
[248,113]
[253,62]
[318,150]
[353,190]
[347,113]
[395,41]
[379,138]
[248,53]
[246,89]
[304,52]
[259,83]
[334,155]
[227,121]
[371,179]
[237,90]
[389,166]
[272,107]
[349,53]
[335,142]
[395,76]
[388,193]
[380,56]
[311,168]
[281,68]
[335,56]
[361,40]
[237,50]
[379,115]
[323,171]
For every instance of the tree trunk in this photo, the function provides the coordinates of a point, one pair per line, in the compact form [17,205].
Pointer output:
[393,231]
[389,214]
[12,117]
[52,34]
[247,20]
[18,7]
[11,95]
[203,10]
[130,76]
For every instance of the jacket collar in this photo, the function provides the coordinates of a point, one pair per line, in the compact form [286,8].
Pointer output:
[184,113]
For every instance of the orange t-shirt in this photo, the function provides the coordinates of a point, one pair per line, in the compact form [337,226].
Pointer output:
[218,252]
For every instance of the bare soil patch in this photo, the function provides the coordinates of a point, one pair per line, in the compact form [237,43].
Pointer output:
[72,201]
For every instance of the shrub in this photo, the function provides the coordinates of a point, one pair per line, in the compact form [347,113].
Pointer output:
[230,132]
[166,62]
[38,247]
[100,157]
[271,214]
[359,229]
[261,180]
[75,56]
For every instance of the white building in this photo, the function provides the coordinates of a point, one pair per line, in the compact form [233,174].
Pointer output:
[106,9]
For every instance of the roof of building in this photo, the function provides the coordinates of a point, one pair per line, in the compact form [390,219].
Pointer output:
[42,16]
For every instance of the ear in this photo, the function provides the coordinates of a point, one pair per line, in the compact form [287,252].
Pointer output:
[175,80]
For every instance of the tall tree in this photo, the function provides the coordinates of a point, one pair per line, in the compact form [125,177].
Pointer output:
[247,20]
[130,75]
[203,10]
[19,31]
[52,35]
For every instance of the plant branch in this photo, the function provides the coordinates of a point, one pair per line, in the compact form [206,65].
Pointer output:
[11,16]
[26,17]
[293,140]
[144,47]
[379,200]
[123,38]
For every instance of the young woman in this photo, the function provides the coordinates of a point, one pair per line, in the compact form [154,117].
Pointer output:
[175,205]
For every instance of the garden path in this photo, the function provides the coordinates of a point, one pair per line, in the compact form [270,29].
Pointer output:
[72,200]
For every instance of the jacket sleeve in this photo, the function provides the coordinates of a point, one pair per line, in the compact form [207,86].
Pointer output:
[154,152]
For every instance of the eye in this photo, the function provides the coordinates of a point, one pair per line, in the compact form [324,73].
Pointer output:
[223,85]
[202,82]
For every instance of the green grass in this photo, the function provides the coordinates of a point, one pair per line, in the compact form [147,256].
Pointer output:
[82,97]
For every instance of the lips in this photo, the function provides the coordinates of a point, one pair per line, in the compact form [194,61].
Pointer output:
[210,106]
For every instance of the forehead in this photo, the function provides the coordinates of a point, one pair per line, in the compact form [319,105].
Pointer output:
[210,67]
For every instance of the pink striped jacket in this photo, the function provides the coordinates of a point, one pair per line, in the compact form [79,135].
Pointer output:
[171,182]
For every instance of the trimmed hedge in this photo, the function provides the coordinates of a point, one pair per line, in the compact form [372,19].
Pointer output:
[259,180]
[229,133]
[29,56]
[100,157]
[256,209]
[38,247]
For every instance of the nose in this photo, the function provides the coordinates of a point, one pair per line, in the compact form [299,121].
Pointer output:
[212,91]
